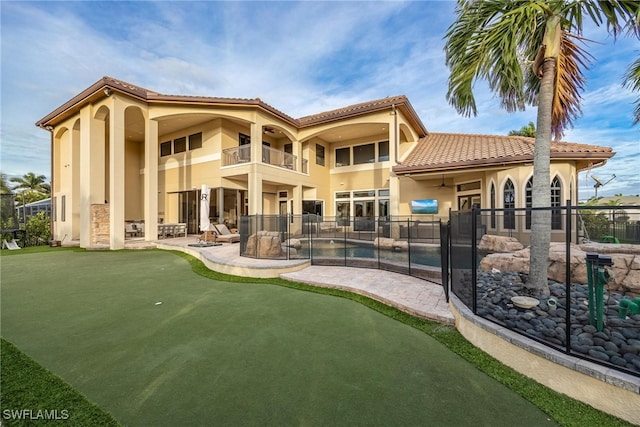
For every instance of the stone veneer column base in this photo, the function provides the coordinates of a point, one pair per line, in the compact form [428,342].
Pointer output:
[100,224]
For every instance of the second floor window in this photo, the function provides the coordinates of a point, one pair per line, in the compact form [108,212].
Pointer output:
[343,156]
[319,155]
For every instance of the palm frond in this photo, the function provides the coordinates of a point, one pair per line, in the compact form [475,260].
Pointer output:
[632,81]
[487,42]
[570,83]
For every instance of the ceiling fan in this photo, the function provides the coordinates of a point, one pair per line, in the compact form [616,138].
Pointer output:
[442,185]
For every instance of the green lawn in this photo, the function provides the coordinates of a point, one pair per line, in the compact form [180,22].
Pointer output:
[148,340]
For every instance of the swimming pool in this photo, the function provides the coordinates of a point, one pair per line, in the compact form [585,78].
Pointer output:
[421,254]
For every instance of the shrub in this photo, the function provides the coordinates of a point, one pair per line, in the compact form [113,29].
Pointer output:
[38,229]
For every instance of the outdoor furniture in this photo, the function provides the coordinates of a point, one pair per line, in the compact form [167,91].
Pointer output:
[224,235]
[12,245]
[131,229]
[172,230]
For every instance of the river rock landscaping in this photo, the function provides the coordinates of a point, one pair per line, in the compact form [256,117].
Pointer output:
[617,344]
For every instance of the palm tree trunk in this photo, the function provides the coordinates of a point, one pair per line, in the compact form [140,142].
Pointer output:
[541,194]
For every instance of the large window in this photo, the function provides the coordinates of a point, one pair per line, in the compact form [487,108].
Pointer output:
[319,155]
[312,207]
[383,151]
[509,202]
[556,214]
[343,157]
[364,154]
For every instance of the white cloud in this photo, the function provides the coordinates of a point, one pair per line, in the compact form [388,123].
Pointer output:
[303,58]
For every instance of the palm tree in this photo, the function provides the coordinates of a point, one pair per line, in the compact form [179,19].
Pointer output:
[32,182]
[528,130]
[4,184]
[495,40]
[632,81]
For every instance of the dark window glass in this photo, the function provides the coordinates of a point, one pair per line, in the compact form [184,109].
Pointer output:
[319,155]
[244,139]
[312,207]
[528,201]
[556,214]
[370,193]
[288,148]
[195,141]
[343,157]
[383,151]
[493,205]
[509,203]
[63,209]
[165,149]
[180,145]
[364,154]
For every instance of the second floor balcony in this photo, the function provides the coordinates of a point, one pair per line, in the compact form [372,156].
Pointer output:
[242,154]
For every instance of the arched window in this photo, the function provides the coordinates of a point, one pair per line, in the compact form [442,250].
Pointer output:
[493,205]
[556,195]
[509,202]
[556,214]
[528,196]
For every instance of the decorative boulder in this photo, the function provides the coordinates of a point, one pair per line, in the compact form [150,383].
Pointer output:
[493,244]
[264,244]
[383,243]
[401,245]
[293,243]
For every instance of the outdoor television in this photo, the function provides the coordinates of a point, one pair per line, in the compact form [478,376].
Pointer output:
[426,206]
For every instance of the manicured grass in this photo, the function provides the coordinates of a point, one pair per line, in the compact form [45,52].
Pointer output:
[215,352]
[47,399]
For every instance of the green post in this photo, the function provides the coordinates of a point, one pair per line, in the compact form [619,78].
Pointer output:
[597,276]
[592,260]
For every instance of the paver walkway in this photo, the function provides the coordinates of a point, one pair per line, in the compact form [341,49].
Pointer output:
[410,294]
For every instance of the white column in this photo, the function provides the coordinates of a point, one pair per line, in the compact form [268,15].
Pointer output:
[394,149]
[85,176]
[394,203]
[297,200]
[116,174]
[150,180]
[255,191]
[256,142]
[255,177]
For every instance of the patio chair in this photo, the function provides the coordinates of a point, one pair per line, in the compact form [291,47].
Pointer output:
[12,245]
[130,229]
[224,235]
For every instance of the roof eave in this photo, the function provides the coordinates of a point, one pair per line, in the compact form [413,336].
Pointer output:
[599,156]
[91,94]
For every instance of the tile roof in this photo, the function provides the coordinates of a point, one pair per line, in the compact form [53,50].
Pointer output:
[95,91]
[399,101]
[438,151]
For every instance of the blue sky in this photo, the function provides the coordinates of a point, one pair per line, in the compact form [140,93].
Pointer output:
[300,57]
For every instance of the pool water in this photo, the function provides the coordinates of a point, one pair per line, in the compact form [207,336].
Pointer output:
[420,254]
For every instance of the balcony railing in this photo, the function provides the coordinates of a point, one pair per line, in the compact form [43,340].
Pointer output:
[270,156]
[279,158]
[236,155]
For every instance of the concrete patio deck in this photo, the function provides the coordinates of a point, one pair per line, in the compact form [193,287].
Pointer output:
[410,294]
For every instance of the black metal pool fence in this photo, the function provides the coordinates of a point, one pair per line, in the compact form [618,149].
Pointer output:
[593,310]
[407,245]
[587,314]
